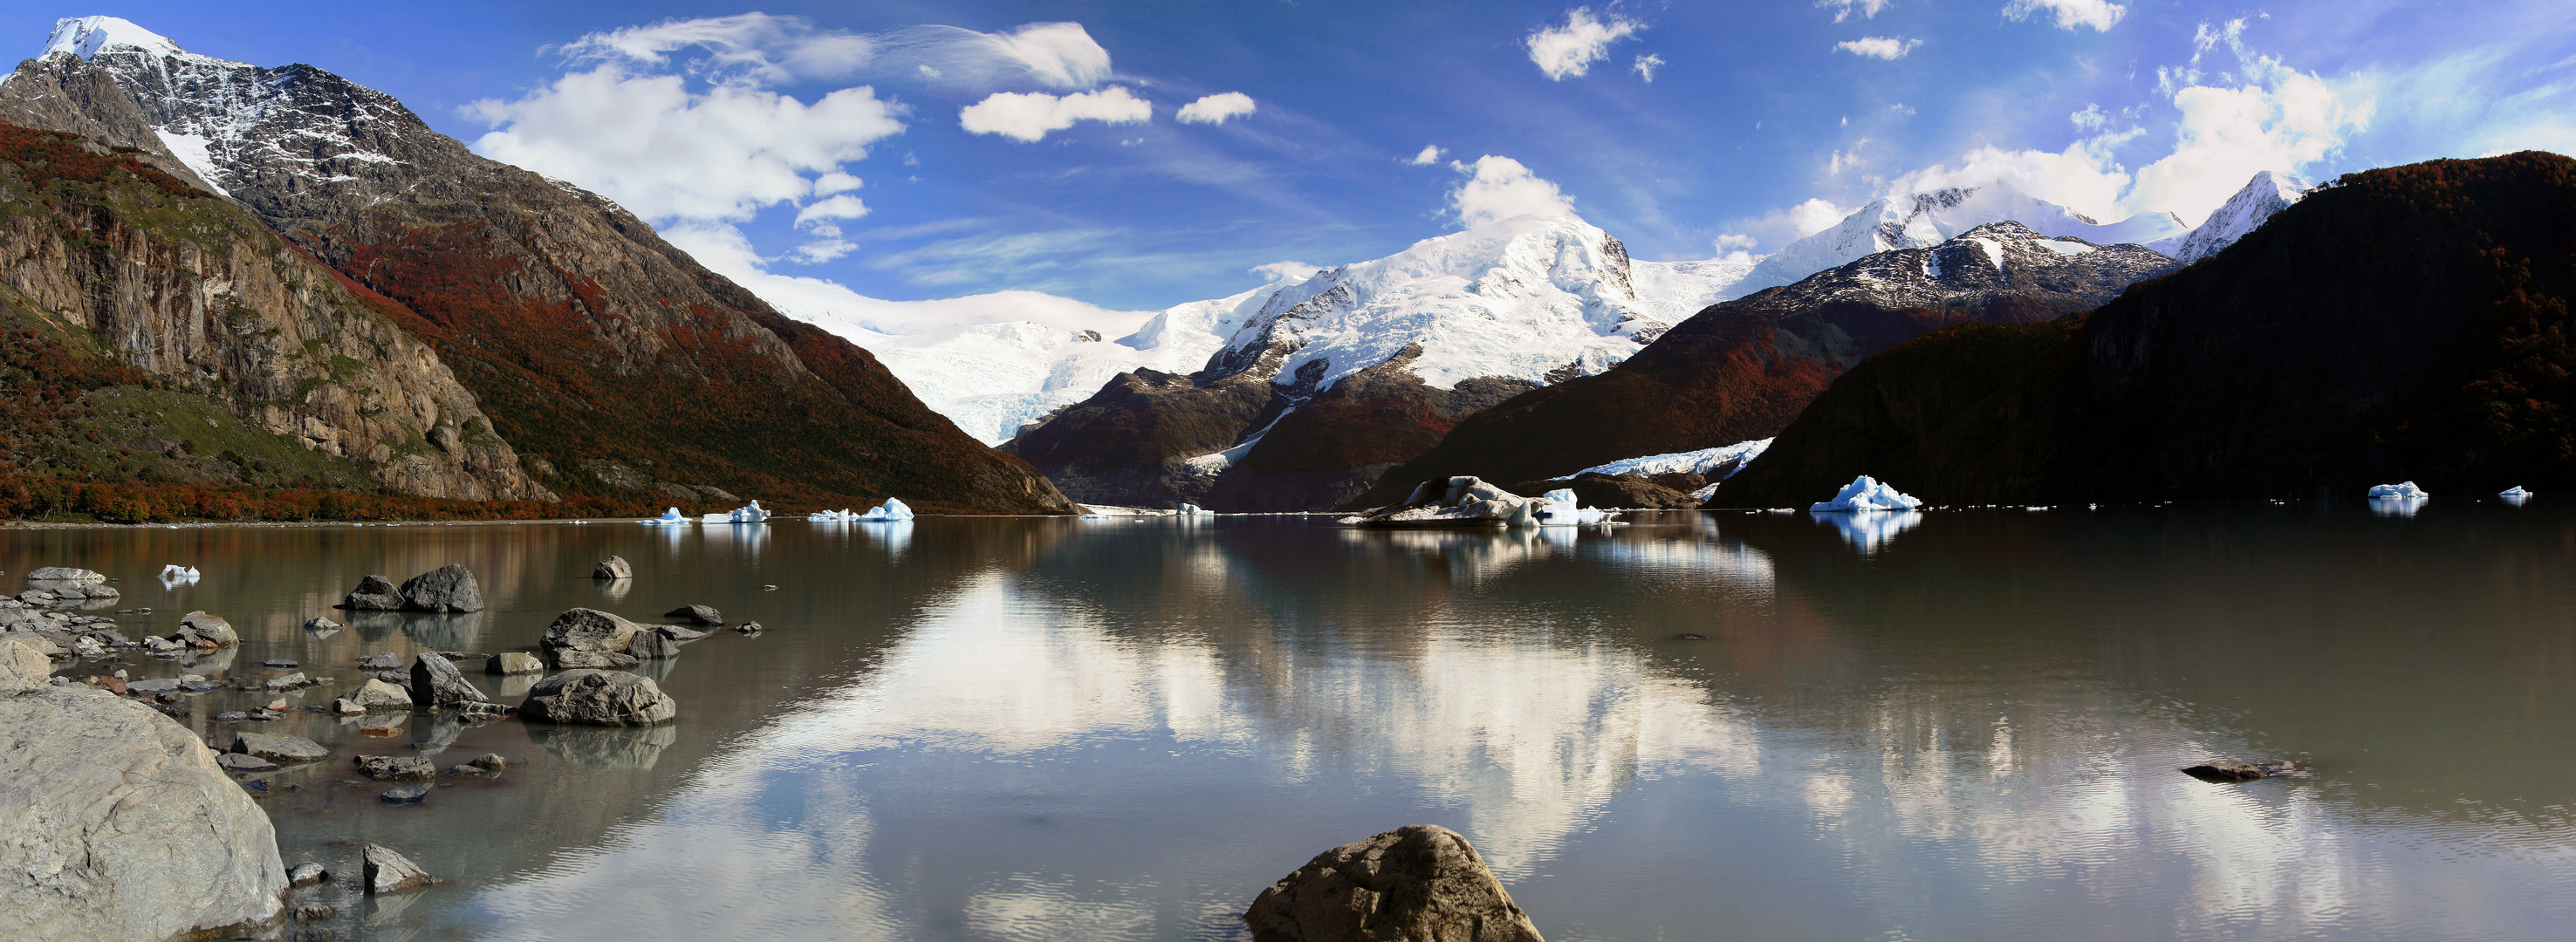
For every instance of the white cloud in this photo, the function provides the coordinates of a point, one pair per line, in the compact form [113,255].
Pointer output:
[1291,272]
[759,48]
[1030,116]
[822,250]
[834,182]
[1570,50]
[725,250]
[1214,109]
[1845,160]
[843,206]
[1502,188]
[1430,155]
[1814,216]
[1646,66]
[1734,240]
[2099,14]
[1879,47]
[1846,9]
[665,152]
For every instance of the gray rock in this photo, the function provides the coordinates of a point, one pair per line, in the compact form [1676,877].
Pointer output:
[101,592]
[435,681]
[514,662]
[376,695]
[698,614]
[677,633]
[314,912]
[288,682]
[1420,882]
[65,574]
[387,661]
[483,712]
[603,660]
[205,630]
[600,698]
[279,748]
[244,762]
[153,686]
[306,874]
[320,625]
[652,645]
[396,768]
[388,872]
[23,669]
[2236,771]
[587,629]
[448,588]
[747,628]
[406,795]
[614,567]
[374,594]
[96,793]
[347,707]
[490,762]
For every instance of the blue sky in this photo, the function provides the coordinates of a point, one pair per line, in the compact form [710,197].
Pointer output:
[939,150]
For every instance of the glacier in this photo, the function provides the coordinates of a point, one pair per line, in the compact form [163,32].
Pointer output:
[1721,462]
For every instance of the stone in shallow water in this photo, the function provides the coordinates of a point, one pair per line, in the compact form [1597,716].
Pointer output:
[388,872]
[406,795]
[448,588]
[244,762]
[2229,772]
[600,698]
[614,567]
[490,762]
[379,695]
[387,661]
[1419,882]
[306,874]
[700,614]
[373,594]
[514,662]
[396,768]
[436,682]
[652,646]
[277,748]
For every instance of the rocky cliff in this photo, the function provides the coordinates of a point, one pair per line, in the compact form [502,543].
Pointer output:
[1742,369]
[104,255]
[2408,323]
[616,363]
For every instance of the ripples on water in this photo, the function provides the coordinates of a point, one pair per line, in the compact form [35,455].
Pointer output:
[1953,726]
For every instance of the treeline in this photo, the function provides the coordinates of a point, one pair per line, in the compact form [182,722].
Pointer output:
[41,498]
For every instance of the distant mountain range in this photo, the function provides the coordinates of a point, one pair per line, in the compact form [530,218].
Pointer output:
[614,364]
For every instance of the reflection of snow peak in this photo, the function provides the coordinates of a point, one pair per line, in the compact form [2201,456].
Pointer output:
[1863,494]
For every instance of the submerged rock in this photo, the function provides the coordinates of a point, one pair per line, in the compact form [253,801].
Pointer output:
[321,626]
[406,795]
[614,567]
[1420,882]
[600,698]
[448,588]
[374,594]
[93,788]
[2237,771]
[387,661]
[389,872]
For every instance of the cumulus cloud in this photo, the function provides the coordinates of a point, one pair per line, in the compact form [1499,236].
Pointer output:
[1430,155]
[1290,272]
[1879,47]
[844,206]
[1814,216]
[666,152]
[2099,14]
[1846,9]
[1029,116]
[1646,66]
[1214,109]
[1500,188]
[1570,50]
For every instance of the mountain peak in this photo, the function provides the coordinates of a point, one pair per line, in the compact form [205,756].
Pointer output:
[2265,194]
[87,36]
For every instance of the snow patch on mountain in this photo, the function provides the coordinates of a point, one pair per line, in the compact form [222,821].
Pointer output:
[191,150]
[1927,219]
[2243,213]
[87,36]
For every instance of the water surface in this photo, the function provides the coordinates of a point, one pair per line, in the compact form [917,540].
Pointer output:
[1967,728]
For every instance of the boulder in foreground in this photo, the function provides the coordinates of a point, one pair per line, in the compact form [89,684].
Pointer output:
[1420,882]
[448,588]
[118,824]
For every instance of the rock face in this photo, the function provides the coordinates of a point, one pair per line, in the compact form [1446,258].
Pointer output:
[374,594]
[592,343]
[1420,883]
[116,823]
[436,682]
[599,698]
[1743,369]
[23,669]
[2403,324]
[614,567]
[448,588]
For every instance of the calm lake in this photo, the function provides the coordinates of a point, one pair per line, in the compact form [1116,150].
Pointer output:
[1966,729]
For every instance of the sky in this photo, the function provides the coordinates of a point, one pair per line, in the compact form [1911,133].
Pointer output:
[1079,162]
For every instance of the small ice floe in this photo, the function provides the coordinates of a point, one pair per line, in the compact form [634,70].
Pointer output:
[751,514]
[1187,509]
[1866,494]
[2516,496]
[669,518]
[1559,508]
[174,574]
[842,515]
[891,510]
[2406,490]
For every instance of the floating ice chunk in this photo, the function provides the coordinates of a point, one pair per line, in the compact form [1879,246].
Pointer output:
[1559,508]
[176,571]
[2515,493]
[1865,493]
[892,509]
[2406,490]
[1193,510]
[842,515]
[669,518]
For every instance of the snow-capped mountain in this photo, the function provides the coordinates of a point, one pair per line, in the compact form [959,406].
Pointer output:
[1928,219]
[2244,212]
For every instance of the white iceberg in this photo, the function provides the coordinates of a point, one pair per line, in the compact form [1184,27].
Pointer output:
[669,518]
[1193,510]
[2406,490]
[1865,493]
[176,571]
[892,509]
[2515,495]
[842,515]
[1558,508]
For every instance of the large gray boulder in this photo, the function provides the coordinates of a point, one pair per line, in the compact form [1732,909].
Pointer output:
[1418,883]
[206,631]
[614,567]
[374,594]
[378,696]
[448,588]
[599,698]
[435,681]
[116,823]
[588,631]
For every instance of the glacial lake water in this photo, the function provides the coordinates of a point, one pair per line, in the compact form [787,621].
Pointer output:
[978,729]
